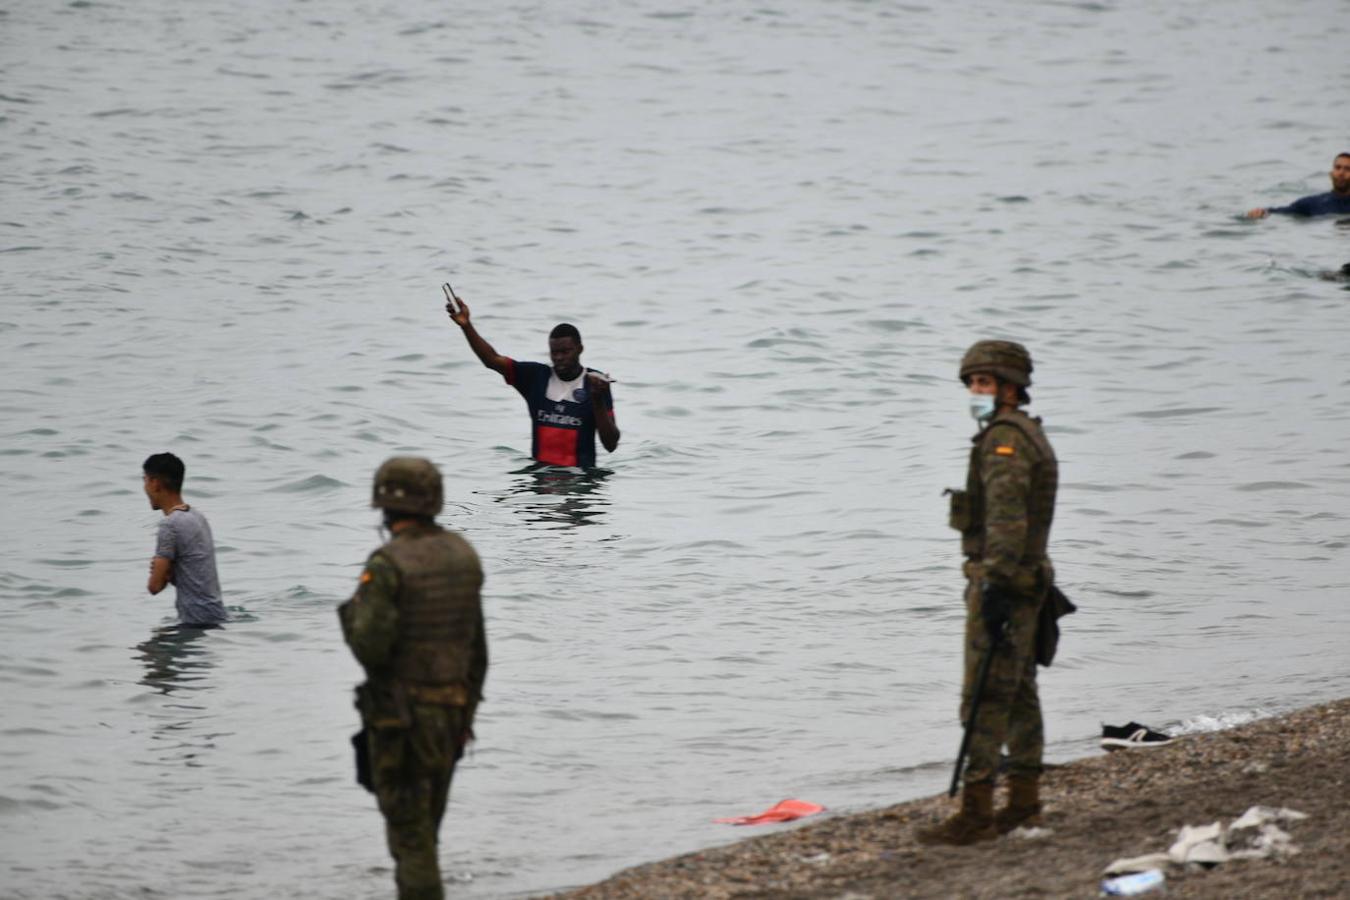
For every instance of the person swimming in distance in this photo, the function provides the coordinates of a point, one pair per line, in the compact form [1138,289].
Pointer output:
[1334,202]
[1341,274]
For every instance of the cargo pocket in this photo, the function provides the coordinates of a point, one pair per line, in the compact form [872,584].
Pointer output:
[958,516]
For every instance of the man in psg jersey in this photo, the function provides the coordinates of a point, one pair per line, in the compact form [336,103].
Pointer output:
[569,404]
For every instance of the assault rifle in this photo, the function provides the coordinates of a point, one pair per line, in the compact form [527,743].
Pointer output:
[981,679]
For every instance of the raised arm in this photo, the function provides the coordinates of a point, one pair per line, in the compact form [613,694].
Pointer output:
[459,314]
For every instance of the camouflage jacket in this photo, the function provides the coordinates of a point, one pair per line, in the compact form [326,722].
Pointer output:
[1005,512]
[416,623]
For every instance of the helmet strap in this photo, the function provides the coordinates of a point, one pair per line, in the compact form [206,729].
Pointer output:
[395,521]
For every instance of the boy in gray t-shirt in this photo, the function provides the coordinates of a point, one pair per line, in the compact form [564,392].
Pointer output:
[185,554]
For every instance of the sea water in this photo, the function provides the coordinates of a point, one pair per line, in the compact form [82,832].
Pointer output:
[777,225]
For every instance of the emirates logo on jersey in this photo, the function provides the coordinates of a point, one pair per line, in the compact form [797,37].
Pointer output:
[548,418]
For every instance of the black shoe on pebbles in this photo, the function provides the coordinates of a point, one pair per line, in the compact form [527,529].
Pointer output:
[1126,737]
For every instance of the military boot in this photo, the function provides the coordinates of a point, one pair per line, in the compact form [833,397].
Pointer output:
[1024,803]
[974,822]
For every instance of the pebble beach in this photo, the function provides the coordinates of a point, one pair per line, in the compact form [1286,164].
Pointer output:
[1098,809]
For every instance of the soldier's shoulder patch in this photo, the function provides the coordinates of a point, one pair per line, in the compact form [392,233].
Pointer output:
[366,577]
[1005,450]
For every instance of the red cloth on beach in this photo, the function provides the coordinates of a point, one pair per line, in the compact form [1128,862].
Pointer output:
[785,811]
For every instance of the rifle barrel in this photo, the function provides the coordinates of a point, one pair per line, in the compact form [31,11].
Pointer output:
[981,679]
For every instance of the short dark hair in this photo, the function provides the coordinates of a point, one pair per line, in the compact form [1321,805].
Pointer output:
[1342,155]
[564,330]
[168,468]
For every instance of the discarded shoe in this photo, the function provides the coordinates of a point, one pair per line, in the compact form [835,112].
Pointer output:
[1123,737]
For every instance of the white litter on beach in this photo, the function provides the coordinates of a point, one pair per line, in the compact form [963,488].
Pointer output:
[1200,844]
[1033,833]
[1130,885]
[1259,815]
[1128,864]
[1253,835]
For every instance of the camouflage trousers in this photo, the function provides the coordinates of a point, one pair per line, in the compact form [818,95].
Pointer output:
[411,769]
[1010,709]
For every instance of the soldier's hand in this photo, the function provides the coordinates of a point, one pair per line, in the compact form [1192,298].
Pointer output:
[996,610]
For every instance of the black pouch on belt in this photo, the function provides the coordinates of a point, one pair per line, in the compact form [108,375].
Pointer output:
[361,745]
[958,514]
[1055,607]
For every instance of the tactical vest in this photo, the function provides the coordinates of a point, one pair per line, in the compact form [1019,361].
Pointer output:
[1040,494]
[438,605]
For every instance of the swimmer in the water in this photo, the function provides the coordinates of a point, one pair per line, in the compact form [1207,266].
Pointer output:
[1334,202]
[1341,274]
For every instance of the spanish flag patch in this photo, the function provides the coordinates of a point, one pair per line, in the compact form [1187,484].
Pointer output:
[1005,451]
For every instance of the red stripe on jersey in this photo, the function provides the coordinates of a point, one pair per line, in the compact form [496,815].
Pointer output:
[555,446]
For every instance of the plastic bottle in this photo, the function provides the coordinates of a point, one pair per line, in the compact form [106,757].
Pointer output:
[1137,883]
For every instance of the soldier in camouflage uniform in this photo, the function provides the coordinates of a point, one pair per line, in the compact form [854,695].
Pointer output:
[416,626]
[1004,517]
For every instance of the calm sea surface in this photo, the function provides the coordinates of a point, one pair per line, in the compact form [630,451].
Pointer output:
[777,224]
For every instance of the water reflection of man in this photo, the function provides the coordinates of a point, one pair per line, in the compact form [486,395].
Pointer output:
[174,657]
[1334,202]
[580,501]
[178,661]
[569,403]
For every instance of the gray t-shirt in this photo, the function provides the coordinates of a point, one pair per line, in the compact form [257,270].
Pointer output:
[185,540]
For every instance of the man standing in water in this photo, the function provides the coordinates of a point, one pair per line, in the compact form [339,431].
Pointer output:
[416,626]
[1334,202]
[1004,517]
[569,404]
[185,554]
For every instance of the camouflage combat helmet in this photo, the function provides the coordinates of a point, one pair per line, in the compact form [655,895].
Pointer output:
[1003,359]
[408,484]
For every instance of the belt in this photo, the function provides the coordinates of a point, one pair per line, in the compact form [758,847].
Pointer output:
[439,694]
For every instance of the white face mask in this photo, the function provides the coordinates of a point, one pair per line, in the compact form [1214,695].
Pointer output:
[982,406]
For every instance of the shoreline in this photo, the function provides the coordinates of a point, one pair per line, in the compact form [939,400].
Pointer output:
[1097,809]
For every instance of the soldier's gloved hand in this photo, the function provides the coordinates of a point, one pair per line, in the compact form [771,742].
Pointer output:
[995,609]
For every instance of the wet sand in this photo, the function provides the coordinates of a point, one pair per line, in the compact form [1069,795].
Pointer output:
[1097,809]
